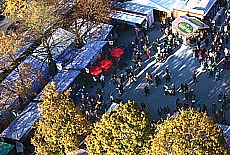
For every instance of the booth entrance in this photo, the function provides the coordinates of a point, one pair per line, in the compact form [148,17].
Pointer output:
[187,27]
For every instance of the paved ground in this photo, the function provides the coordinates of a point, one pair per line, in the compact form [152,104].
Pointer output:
[181,65]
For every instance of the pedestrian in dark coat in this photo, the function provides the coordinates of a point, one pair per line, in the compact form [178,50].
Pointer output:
[143,106]
[167,70]
[146,89]
[158,80]
[99,91]
[204,108]
[160,111]
[182,86]
[194,77]
[167,78]
[114,79]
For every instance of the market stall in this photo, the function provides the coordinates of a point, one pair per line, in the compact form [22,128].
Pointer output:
[133,13]
[5,148]
[21,125]
[91,31]
[187,26]
[88,55]
[226,130]
[130,18]
[58,42]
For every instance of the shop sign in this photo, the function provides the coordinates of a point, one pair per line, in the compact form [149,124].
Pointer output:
[196,22]
[185,27]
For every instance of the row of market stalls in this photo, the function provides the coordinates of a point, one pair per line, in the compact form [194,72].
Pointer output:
[72,61]
[148,12]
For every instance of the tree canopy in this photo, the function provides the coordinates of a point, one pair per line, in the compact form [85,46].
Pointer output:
[125,130]
[60,125]
[190,132]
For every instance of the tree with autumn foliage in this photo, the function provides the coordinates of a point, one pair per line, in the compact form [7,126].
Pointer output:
[190,132]
[36,23]
[14,9]
[16,88]
[88,14]
[8,50]
[60,125]
[125,130]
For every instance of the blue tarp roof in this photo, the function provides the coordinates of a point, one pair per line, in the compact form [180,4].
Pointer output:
[226,130]
[22,124]
[58,42]
[64,79]
[11,98]
[87,53]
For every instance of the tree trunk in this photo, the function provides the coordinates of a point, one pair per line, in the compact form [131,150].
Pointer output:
[52,65]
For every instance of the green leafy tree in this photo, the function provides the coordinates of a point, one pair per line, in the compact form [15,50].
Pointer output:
[124,131]
[190,132]
[60,125]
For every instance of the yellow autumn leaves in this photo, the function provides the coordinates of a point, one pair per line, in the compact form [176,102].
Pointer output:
[60,125]
[190,132]
[126,130]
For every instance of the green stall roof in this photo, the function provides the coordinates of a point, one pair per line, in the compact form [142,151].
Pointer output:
[5,148]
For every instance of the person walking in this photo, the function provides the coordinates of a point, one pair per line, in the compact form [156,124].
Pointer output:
[186,104]
[158,80]
[160,111]
[120,88]
[167,78]
[111,97]
[102,79]
[173,91]
[214,107]
[148,53]
[114,77]
[194,77]
[217,75]
[167,70]
[220,97]
[166,89]
[223,119]
[149,78]
[143,106]
[146,90]
[182,86]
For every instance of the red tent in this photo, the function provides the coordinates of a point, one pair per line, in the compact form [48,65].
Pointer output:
[117,52]
[106,64]
[95,70]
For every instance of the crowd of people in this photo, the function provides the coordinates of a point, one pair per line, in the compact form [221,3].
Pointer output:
[208,47]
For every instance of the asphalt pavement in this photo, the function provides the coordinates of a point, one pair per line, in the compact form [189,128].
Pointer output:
[181,64]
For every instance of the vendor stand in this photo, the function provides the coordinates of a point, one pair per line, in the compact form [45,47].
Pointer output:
[187,27]
[5,148]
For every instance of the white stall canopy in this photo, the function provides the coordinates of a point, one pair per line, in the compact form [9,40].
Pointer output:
[161,5]
[127,17]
